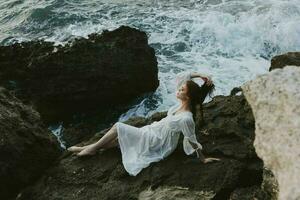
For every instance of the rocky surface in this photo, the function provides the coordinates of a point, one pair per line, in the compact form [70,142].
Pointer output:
[275,101]
[280,61]
[228,133]
[62,80]
[267,190]
[87,74]
[27,147]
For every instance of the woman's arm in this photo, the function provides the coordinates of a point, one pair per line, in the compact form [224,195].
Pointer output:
[201,156]
[204,77]
[197,74]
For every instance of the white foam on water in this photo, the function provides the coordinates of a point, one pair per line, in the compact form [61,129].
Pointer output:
[232,41]
[57,131]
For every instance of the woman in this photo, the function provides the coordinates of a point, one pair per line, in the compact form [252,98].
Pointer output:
[151,143]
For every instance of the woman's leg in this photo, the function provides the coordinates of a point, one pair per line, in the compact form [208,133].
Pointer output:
[110,136]
[112,144]
[108,145]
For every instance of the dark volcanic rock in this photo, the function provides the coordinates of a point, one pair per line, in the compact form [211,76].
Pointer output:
[85,75]
[228,133]
[268,190]
[249,193]
[229,127]
[27,147]
[290,58]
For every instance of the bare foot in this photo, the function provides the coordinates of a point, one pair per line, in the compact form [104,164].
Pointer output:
[78,149]
[75,149]
[87,151]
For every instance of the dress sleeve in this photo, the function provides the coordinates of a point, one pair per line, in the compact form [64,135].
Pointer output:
[188,130]
[181,78]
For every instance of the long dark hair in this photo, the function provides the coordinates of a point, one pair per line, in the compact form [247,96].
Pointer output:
[197,96]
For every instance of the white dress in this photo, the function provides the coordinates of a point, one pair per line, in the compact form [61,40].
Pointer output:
[142,145]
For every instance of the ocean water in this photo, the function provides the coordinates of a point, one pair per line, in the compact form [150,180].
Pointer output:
[230,40]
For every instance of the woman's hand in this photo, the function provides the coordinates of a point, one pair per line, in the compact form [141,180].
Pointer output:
[207,160]
[204,77]
[207,80]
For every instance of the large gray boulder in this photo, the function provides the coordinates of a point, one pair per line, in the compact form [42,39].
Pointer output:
[275,102]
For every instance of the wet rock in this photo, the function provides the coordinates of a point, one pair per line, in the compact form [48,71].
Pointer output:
[175,192]
[267,190]
[228,133]
[248,193]
[86,75]
[27,147]
[235,91]
[269,186]
[275,101]
[280,61]
[228,128]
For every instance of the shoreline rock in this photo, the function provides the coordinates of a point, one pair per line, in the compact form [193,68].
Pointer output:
[86,75]
[228,133]
[280,61]
[27,147]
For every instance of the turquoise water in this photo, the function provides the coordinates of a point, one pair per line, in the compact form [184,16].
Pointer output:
[232,41]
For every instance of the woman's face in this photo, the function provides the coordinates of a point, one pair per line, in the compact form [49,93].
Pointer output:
[182,92]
